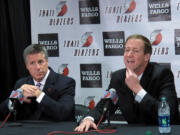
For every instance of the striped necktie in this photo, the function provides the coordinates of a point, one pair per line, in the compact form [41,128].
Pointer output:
[39,85]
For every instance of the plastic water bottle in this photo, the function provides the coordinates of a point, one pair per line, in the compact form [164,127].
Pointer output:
[148,133]
[164,116]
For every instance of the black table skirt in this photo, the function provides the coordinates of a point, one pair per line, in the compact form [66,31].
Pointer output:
[44,127]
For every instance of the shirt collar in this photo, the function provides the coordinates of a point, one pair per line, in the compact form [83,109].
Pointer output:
[43,81]
[140,76]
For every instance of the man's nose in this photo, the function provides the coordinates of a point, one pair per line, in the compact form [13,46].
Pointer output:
[130,53]
[38,65]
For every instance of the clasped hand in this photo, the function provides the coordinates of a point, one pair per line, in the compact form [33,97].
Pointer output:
[30,91]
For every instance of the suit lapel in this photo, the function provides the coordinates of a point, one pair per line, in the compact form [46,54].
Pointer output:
[146,76]
[48,87]
[126,104]
[129,110]
[30,81]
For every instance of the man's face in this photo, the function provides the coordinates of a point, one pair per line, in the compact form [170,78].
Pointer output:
[37,66]
[134,57]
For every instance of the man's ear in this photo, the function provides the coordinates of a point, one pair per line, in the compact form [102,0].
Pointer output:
[26,66]
[147,56]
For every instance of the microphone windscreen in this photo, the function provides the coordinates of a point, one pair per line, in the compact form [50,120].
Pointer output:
[17,94]
[111,94]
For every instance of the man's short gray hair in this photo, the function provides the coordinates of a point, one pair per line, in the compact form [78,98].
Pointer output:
[34,49]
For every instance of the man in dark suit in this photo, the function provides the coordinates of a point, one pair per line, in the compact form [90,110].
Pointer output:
[46,95]
[139,87]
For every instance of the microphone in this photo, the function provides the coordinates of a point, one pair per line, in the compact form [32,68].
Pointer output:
[110,99]
[15,97]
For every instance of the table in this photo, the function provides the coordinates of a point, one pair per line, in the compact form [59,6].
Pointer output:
[44,127]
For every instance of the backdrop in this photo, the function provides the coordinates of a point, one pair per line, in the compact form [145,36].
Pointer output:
[85,38]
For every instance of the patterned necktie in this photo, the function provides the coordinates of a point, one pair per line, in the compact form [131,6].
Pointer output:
[38,84]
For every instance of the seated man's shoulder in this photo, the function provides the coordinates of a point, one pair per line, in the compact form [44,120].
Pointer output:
[161,68]
[61,77]
[23,80]
[119,72]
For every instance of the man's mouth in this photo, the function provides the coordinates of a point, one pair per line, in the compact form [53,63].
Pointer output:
[130,61]
[39,73]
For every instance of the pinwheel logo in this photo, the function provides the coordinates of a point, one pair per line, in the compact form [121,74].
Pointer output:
[87,39]
[61,8]
[129,6]
[156,37]
[63,69]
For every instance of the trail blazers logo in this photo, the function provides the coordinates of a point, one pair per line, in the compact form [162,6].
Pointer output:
[159,10]
[89,102]
[50,41]
[113,43]
[124,11]
[87,39]
[156,37]
[129,6]
[159,48]
[177,41]
[61,8]
[63,69]
[58,15]
[84,46]
[91,76]
[89,12]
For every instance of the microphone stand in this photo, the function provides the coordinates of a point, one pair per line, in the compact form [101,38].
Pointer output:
[108,125]
[107,110]
[14,112]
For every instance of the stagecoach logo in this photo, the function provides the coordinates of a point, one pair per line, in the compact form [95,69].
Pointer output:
[91,76]
[177,41]
[61,8]
[63,69]
[159,10]
[113,43]
[83,47]
[50,41]
[156,37]
[55,16]
[89,12]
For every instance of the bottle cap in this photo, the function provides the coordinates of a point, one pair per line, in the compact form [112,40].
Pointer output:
[148,133]
[163,98]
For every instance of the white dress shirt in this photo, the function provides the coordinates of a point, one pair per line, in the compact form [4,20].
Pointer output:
[140,95]
[43,81]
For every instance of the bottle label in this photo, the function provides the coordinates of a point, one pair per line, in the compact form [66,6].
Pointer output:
[164,121]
